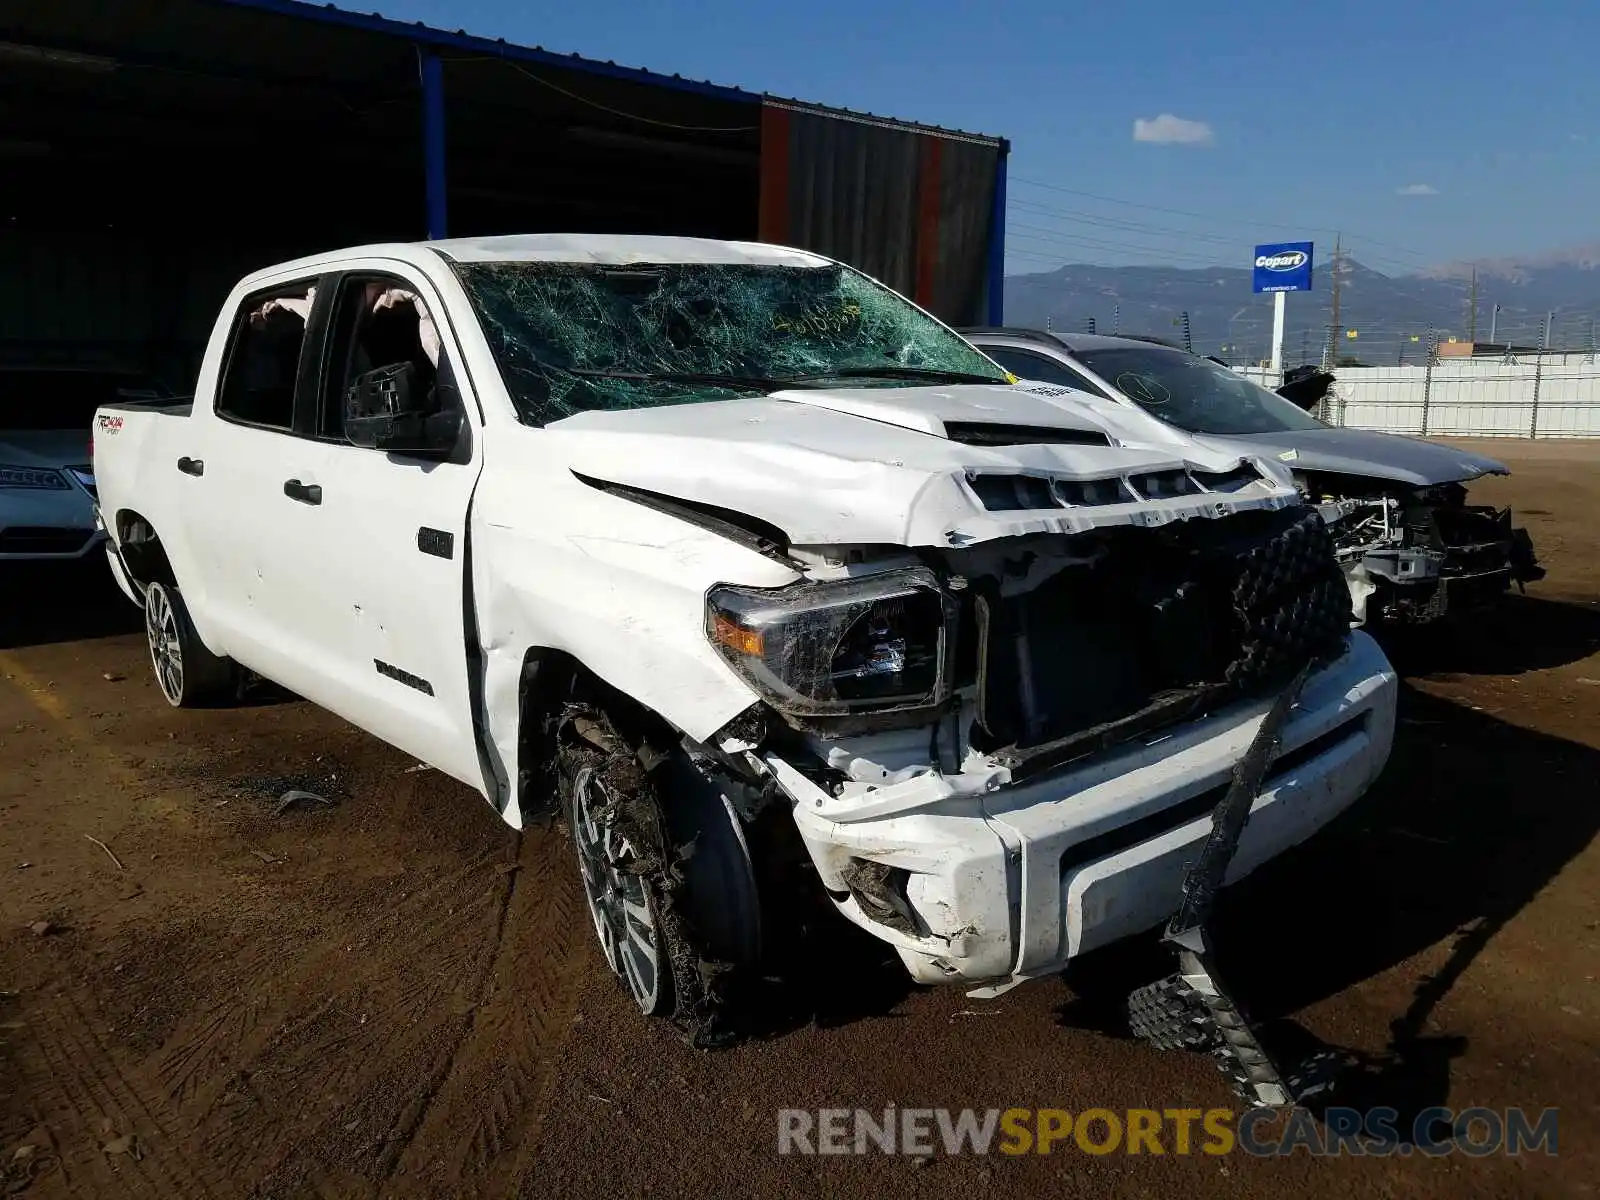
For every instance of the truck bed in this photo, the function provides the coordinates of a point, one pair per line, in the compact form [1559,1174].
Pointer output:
[172,406]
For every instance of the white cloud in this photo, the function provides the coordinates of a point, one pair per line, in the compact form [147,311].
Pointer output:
[1417,189]
[1168,130]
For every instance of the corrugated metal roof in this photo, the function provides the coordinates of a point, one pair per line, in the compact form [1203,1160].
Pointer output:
[460,39]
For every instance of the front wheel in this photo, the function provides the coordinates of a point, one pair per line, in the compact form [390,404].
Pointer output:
[666,874]
[618,885]
[187,673]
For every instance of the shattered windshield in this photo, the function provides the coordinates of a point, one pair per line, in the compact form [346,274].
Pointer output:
[1193,393]
[571,337]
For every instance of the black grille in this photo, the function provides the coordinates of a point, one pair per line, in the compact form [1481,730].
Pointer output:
[1168,624]
[42,539]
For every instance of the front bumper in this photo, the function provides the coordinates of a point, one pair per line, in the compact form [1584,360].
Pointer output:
[41,526]
[1001,882]
[1418,583]
[48,543]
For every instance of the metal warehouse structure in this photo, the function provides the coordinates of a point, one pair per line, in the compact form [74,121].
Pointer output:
[155,150]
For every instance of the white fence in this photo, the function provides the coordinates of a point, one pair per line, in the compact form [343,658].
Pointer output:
[1545,396]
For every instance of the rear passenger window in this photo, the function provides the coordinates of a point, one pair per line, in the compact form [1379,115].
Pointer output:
[264,361]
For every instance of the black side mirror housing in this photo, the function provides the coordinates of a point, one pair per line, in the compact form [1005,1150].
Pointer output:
[1306,386]
[390,409]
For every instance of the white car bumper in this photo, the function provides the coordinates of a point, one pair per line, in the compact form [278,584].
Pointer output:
[1013,882]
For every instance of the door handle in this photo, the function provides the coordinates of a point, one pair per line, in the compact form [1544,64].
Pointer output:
[191,466]
[306,493]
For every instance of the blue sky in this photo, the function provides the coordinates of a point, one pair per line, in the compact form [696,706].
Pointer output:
[1261,119]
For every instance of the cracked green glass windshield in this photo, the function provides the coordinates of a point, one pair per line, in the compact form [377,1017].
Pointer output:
[573,337]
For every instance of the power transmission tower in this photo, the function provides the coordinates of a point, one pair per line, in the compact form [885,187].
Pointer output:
[1333,323]
[1472,311]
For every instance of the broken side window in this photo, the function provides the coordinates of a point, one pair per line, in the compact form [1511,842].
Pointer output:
[263,368]
[378,322]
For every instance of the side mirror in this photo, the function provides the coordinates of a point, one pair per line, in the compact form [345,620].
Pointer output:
[1306,387]
[389,409]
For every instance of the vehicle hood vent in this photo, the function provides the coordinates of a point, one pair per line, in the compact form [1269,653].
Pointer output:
[982,433]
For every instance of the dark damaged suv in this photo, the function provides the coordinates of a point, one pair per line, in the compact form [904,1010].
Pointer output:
[1411,545]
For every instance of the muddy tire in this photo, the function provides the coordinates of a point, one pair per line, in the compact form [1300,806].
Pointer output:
[665,871]
[188,674]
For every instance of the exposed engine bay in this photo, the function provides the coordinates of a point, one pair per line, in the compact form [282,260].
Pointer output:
[1414,554]
[1025,654]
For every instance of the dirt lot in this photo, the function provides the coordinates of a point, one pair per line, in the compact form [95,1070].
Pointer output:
[397,996]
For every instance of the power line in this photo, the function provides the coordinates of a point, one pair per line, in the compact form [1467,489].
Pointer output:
[1043,233]
[1112,223]
[1074,216]
[1230,222]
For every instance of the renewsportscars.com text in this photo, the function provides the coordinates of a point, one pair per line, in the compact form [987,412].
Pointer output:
[1263,1132]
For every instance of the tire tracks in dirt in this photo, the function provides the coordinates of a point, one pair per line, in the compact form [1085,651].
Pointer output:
[480,1131]
[324,1029]
[87,1100]
[277,986]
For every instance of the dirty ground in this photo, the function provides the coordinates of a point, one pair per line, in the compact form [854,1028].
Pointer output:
[391,994]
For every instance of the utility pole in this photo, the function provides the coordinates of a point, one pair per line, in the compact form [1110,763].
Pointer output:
[1333,325]
[1494,323]
[1472,314]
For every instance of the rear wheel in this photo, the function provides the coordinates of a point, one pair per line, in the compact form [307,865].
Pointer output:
[188,674]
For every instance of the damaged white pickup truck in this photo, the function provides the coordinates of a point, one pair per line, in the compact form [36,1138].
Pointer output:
[677,536]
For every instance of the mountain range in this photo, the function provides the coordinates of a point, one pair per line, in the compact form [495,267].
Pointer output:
[1390,316]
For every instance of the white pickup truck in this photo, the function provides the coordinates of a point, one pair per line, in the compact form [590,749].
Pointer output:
[676,536]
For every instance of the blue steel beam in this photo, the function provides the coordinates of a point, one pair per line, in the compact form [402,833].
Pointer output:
[997,239]
[432,70]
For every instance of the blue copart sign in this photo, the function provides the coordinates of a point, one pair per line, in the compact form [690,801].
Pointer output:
[1283,267]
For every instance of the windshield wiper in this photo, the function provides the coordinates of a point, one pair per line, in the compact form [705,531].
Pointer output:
[746,382]
[930,373]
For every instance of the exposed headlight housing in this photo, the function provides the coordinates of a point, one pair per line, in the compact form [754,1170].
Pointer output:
[878,644]
[35,478]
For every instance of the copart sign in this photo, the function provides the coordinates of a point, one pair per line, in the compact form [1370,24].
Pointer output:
[1283,267]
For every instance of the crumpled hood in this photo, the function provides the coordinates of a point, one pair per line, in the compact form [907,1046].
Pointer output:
[44,447]
[875,465]
[1376,455]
